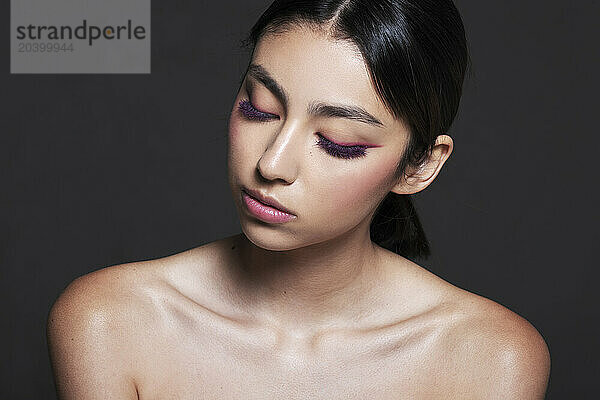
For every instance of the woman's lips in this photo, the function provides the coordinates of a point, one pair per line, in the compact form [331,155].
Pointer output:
[267,200]
[265,212]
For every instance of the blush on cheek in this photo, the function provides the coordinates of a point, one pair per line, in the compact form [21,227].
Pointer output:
[365,187]
[239,146]
[233,126]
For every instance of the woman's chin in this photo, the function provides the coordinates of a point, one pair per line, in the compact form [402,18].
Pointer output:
[267,237]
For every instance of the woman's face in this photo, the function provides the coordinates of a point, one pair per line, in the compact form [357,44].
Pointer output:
[286,138]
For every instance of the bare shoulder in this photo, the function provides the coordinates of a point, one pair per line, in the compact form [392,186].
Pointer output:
[98,326]
[494,352]
[102,297]
[118,296]
[90,335]
[483,349]
[101,326]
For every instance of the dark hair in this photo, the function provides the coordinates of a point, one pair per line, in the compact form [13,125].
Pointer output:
[416,54]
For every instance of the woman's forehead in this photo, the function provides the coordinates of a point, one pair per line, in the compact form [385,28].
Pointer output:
[304,52]
[314,66]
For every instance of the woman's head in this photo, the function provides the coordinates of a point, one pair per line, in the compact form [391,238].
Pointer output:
[384,76]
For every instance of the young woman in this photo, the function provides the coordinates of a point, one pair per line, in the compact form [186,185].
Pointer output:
[341,115]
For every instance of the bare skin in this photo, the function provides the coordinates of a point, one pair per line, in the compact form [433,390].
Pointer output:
[173,328]
[305,309]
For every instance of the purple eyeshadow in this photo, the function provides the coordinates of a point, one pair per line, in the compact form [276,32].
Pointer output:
[252,113]
[333,149]
[336,150]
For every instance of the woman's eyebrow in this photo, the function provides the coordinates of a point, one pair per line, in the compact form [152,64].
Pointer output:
[318,109]
[259,73]
[343,111]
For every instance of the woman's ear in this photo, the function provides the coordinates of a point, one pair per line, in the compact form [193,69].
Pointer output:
[418,178]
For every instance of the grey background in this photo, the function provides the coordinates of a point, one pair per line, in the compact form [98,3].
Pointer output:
[98,170]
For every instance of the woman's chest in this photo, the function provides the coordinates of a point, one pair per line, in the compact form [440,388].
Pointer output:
[233,379]
[225,367]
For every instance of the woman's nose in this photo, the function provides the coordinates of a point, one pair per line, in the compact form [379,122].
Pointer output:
[280,159]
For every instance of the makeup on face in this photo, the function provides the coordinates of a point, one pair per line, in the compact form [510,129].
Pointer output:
[306,131]
[264,211]
[335,149]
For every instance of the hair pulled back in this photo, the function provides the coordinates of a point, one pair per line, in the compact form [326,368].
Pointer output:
[416,54]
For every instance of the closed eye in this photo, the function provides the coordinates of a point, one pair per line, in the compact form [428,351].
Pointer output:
[252,113]
[330,147]
[340,151]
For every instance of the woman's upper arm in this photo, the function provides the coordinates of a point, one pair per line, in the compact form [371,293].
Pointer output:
[88,343]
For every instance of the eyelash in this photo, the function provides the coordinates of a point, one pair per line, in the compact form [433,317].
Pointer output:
[333,149]
[250,112]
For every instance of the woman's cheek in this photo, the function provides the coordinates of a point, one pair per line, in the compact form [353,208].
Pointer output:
[362,189]
[234,127]
[239,133]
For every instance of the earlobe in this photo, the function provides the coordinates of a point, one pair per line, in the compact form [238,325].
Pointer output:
[420,177]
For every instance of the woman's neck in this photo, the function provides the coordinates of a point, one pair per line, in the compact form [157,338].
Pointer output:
[324,284]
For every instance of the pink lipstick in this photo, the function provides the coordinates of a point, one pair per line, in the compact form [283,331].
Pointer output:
[272,212]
